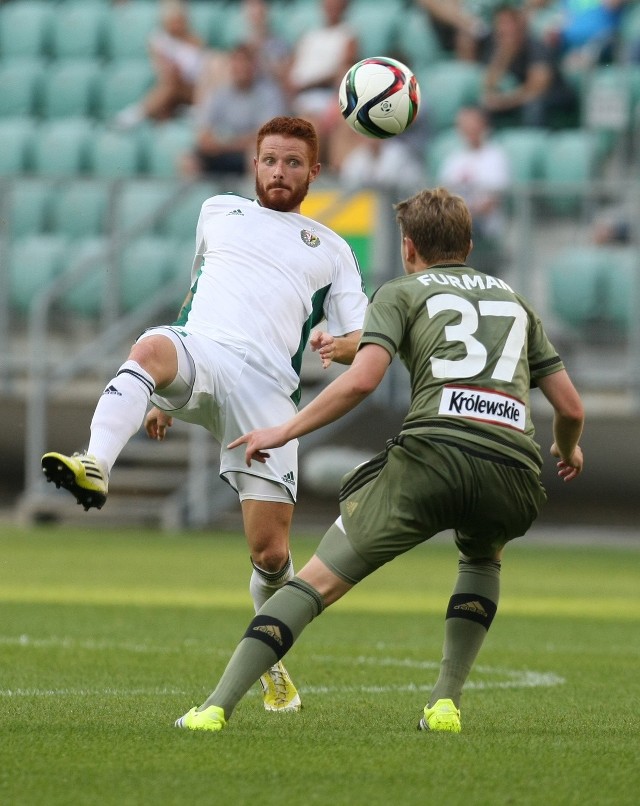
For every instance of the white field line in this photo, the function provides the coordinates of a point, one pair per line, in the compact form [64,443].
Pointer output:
[496,678]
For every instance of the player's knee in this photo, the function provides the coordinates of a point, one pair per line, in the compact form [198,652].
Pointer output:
[157,355]
[270,558]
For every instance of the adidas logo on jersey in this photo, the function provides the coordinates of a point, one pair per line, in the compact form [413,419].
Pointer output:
[111,390]
[237,211]
[289,478]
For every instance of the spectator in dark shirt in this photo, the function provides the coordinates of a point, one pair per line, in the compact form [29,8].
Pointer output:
[523,83]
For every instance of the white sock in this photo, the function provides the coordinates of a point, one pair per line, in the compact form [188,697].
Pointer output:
[120,412]
[264,584]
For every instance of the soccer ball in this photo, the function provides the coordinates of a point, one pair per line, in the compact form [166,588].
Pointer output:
[379,97]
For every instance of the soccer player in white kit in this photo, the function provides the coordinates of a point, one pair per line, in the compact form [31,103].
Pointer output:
[263,276]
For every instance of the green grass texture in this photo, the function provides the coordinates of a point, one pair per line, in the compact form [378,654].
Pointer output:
[106,637]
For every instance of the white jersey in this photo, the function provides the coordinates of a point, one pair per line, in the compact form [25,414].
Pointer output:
[262,279]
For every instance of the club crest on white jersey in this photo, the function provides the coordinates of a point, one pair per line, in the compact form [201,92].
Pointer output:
[310,238]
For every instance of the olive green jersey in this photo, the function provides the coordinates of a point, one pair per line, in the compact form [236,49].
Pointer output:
[473,348]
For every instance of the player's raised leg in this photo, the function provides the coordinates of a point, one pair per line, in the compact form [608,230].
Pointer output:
[118,415]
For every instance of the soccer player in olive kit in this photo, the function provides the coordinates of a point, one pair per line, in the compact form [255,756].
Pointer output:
[464,460]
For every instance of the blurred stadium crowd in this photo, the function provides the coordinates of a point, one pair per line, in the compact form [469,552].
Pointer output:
[108,106]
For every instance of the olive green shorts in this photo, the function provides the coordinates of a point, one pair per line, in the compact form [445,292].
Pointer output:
[420,486]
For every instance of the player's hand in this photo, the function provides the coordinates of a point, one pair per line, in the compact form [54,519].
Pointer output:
[156,423]
[325,345]
[257,442]
[568,469]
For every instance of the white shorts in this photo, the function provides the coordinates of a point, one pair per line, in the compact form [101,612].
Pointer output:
[217,388]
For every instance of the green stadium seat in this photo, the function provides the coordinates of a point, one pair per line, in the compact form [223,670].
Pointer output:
[140,203]
[210,20]
[570,156]
[146,264]
[592,288]
[24,28]
[82,208]
[20,86]
[167,143]
[576,285]
[416,39]
[621,273]
[437,149]
[69,88]
[525,148]
[61,146]
[375,24]
[28,205]
[34,261]
[447,86]
[128,27]
[114,155]
[122,83]
[77,30]
[86,296]
[181,219]
[16,142]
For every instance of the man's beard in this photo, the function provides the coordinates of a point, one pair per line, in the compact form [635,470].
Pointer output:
[284,205]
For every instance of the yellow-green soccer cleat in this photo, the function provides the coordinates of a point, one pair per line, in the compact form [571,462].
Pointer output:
[80,474]
[211,718]
[278,691]
[443,716]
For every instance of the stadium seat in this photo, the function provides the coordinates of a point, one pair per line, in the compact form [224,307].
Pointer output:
[122,83]
[210,20]
[444,143]
[621,280]
[416,39]
[20,85]
[525,149]
[16,142]
[60,146]
[592,288]
[69,88]
[446,87]
[375,24]
[167,143]
[25,28]
[576,285]
[128,27]
[570,157]
[146,264]
[86,296]
[34,261]
[81,208]
[77,30]
[140,204]
[28,204]
[114,155]
[180,220]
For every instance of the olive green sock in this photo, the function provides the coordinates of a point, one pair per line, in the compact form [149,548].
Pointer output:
[471,609]
[268,638]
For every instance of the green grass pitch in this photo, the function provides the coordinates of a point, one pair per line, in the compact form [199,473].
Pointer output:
[106,637]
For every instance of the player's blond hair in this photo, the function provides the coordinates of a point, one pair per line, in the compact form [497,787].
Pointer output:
[438,223]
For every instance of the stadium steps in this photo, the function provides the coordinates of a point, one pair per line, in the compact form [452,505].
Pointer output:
[143,490]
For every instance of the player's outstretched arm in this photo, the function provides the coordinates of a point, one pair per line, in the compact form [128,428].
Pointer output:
[342,395]
[341,349]
[568,422]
